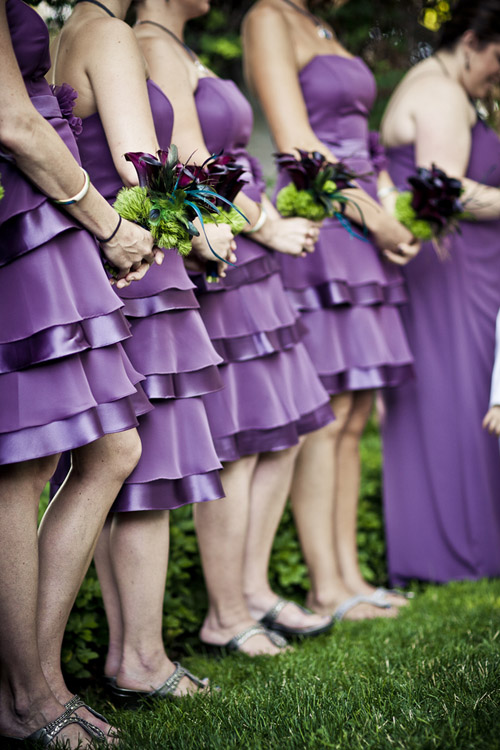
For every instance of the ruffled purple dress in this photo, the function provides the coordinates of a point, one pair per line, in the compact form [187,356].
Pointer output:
[65,379]
[272,394]
[347,294]
[441,469]
[171,347]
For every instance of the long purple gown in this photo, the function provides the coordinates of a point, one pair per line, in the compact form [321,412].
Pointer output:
[347,294]
[272,394]
[171,347]
[65,379]
[442,470]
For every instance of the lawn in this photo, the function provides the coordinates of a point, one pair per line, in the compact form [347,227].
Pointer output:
[430,679]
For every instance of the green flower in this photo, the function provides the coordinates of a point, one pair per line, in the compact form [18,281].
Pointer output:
[133,204]
[293,202]
[404,213]
[2,191]
[232,217]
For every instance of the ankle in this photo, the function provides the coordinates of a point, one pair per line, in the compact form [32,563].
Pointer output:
[141,660]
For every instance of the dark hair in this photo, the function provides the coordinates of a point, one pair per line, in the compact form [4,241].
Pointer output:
[480,16]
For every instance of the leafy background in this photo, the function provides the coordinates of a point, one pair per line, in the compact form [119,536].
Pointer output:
[390,35]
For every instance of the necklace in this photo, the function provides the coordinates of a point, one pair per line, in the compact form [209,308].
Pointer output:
[100,5]
[321,29]
[194,58]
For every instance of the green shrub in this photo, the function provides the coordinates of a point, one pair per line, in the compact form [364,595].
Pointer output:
[185,598]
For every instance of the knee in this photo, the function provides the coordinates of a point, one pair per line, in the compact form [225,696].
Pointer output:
[127,451]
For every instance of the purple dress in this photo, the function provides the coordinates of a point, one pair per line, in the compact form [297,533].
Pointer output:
[347,294]
[65,379]
[442,470]
[171,347]
[272,394]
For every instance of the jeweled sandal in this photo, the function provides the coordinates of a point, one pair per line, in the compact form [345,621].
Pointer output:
[239,639]
[167,690]
[49,732]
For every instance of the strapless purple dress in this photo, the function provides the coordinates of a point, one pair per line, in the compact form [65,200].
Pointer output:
[65,380]
[272,392]
[347,294]
[442,471]
[171,347]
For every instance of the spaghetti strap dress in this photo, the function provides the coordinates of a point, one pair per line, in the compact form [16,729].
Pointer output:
[65,379]
[272,394]
[171,347]
[347,295]
[441,469]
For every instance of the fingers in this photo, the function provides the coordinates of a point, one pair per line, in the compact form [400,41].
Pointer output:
[159,256]
[136,273]
[403,254]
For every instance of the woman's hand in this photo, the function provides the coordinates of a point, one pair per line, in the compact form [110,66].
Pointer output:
[221,239]
[491,421]
[131,251]
[292,236]
[404,252]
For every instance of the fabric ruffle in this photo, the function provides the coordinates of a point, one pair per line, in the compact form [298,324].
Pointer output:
[267,403]
[254,263]
[358,348]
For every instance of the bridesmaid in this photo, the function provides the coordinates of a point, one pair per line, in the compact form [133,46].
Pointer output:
[272,395]
[97,53]
[317,97]
[65,384]
[442,471]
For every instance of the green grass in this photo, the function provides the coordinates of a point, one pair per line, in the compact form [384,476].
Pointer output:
[430,679]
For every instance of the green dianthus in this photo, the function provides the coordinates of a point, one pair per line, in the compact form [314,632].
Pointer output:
[293,202]
[405,213]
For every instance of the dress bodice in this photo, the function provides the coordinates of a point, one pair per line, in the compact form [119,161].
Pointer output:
[226,121]
[30,40]
[94,150]
[339,93]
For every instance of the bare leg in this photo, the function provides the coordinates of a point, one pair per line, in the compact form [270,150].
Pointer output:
[133,590]
[269,492]
[68,535]
[111,598]
[313,495]
[348,484]
[26,701]
[221,526]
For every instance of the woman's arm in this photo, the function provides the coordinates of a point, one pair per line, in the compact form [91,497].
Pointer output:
[44,158]
[272,71]
[443,137]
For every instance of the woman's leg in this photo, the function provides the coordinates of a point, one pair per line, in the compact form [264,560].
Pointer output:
[348,485]
[68,535]
[270,488]
[133,572]
[26,701]
[314,499]
[221,526]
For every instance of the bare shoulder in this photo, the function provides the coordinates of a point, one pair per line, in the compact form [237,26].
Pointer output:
[166,59]
[426,85]
[264,16]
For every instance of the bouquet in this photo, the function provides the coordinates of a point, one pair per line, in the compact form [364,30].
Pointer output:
[315,190]
[169,197]
[432,208]
[1,191]
[226,177]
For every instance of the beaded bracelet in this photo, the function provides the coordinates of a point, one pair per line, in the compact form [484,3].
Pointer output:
[78,197]
[259,223]
[108,239]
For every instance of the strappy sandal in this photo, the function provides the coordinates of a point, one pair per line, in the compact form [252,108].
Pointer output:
[165,691]
[269,621]
[47,734]
[239,639]
[76,702]
[379,598]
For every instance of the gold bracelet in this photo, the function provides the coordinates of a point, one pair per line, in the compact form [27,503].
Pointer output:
[78,197]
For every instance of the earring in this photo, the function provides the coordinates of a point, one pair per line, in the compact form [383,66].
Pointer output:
[467,62]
